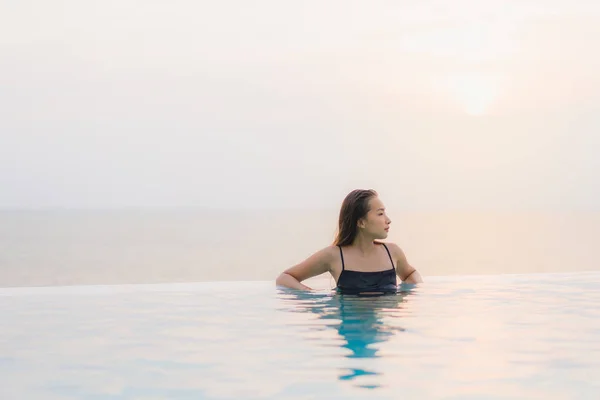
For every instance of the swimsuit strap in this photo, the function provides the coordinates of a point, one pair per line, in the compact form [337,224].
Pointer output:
[386,249]
[342,256]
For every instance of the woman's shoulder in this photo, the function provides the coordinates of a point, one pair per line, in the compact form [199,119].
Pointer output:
[394,249]
[327,253]
[331,250]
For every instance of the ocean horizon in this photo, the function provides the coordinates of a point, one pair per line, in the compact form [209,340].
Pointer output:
[144,246]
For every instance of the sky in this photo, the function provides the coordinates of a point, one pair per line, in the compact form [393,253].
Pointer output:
[270,104]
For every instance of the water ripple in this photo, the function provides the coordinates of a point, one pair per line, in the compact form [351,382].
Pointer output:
[495,337]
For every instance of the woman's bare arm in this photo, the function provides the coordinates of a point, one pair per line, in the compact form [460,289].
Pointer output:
[404,270]
[316,264]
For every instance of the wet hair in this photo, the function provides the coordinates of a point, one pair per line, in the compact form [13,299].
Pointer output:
[354,207]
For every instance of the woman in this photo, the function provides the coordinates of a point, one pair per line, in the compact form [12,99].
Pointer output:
[357,261]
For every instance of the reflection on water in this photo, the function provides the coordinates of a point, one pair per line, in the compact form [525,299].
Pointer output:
[520,337]
[361,321]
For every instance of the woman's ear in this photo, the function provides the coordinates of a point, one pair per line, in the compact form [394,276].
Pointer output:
[361,223]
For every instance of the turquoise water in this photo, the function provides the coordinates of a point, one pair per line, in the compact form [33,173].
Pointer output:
[493,337]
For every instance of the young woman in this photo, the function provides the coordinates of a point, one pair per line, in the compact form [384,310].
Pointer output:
[357,261]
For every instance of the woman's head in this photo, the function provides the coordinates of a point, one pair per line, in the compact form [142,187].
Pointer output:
[361,211]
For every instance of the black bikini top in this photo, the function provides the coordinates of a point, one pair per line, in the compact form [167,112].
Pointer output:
[355,282]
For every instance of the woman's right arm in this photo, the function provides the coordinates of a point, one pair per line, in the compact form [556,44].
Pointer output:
[316,264]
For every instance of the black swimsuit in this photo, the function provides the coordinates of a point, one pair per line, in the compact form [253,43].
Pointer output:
[356,282]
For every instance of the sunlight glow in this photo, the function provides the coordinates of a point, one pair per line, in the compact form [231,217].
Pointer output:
[468,60]
[473,93]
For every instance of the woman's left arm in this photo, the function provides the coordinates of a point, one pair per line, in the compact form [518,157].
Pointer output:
[404,270]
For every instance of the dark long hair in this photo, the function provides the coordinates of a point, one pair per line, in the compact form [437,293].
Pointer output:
[354,207]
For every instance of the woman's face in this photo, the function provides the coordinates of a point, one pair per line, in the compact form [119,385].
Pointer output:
[376,223]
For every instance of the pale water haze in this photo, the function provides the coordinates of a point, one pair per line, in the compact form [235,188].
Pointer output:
[39,248]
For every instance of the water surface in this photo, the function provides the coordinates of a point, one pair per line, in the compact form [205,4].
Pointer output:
[495,337]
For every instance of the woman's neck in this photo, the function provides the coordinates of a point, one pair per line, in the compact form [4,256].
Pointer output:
[365,245]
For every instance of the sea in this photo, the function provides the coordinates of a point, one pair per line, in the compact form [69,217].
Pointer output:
[182,304]
[96,247]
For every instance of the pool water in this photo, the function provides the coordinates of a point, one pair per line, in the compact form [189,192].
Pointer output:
[487,337]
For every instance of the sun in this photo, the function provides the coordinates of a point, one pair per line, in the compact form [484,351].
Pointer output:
[473,93]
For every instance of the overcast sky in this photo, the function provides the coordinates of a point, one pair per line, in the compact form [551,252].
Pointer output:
[436,104]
